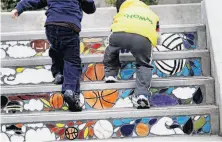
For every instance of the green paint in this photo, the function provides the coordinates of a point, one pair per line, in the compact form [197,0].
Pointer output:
[138,17]
[153,90]
[199,123]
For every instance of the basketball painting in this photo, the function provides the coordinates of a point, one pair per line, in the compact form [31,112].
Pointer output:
[71,133]
[170,42]
[56,100]
[101,99]
[95,72]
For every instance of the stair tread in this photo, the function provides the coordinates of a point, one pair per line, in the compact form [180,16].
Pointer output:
[98,32]
[101,85]
[98,58]
[110,113]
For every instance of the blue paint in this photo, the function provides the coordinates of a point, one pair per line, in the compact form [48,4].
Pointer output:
[128,66]
[196,71]
[193,46]
[138,121]
[207,118]
[117,122]
[126,93]
[145,120]
[154,69]
[152,121]
[206,128]
[127,73]
[186,44]
[169,91]
[185,71]
[182,119]
[88,107]
[159,73]
[126,121]
[180,73]
[163,100]
[190,36]
[127,130]
[197,63]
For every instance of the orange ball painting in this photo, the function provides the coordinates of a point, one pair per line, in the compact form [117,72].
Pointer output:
[101,99]
[142,129]
[94,73]
[56,100]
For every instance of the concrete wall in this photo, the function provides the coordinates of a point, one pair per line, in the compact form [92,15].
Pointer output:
[102,3]
[214,36]
[169,14]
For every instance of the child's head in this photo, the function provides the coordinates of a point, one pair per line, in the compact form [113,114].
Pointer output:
[118,4]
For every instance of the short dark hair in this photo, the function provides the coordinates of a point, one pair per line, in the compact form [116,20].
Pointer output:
[118,4]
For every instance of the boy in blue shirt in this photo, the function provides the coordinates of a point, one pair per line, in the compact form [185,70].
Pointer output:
[63,25]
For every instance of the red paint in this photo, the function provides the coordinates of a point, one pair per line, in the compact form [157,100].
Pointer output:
[96,45]
[50,126]
[81,135]
[90,123]
[61,131]
[28,97]
[118,134]
[55,129]
[70,124]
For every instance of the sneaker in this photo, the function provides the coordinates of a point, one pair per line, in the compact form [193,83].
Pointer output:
[143,102]
[58,79]
[73,101]
[111,79]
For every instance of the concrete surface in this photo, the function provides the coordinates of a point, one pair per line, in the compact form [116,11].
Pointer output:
[169,14]
[211,8]
[166,139]
[102,3]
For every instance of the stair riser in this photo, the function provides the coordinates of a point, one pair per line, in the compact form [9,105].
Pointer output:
[90,47]
[123,98]
[95,72]
[113,128]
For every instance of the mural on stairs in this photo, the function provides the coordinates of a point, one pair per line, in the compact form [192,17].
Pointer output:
[105,129]
[93,72]
[105,99]
[26,49]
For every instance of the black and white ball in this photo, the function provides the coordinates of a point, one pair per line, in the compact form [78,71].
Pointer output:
[170,42]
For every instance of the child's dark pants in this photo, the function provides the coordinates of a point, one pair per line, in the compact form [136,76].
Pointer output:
[141,49]
[64,52]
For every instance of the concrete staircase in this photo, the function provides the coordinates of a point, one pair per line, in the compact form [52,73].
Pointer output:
[182,86]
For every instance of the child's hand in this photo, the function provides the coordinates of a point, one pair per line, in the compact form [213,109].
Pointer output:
[14,13]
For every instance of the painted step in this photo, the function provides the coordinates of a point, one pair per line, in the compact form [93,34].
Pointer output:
[116,123]
[191,63]
[98,95]
[95,40]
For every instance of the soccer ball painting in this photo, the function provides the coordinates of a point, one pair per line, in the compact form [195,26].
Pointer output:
[170,42]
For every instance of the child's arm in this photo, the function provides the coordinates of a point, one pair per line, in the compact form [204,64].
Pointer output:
[159,40]
[24,5]
[88,6]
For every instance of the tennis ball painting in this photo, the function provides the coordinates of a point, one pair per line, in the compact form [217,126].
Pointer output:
[103,129]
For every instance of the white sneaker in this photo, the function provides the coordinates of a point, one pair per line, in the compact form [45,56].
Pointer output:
[111,79]
[143,102]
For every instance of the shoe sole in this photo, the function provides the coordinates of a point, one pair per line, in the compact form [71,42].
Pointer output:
[110,81]
[143,104]
[70,101]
